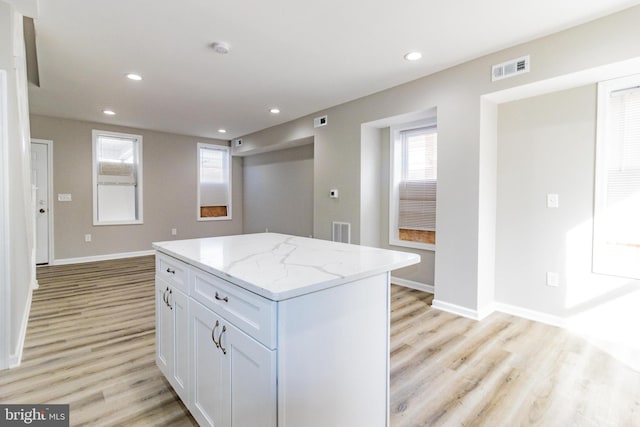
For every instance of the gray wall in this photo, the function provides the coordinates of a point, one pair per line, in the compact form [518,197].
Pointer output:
[465,259]
[546,144]
[169,190]
[278,191]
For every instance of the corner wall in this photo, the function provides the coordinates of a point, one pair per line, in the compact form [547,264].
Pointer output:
[18,266]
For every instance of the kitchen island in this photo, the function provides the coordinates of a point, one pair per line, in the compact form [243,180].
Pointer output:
[275,330]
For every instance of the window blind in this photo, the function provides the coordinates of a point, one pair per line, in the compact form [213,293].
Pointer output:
[622,201]
[418,187]
[116,160]
[214,177]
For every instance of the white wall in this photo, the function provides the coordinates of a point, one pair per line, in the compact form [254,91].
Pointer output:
[464,176]
[278,191]
[546,144]
[19,262]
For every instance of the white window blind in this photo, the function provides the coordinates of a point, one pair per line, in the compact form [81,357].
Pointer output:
[117,175]
[214,176]
[417,192]
[117,160]
[617,227]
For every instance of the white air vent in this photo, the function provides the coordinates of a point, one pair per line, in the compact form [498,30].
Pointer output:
[510,68]
[320,121]
[341,232]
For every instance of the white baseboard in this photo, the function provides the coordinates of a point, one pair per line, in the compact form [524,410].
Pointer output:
[513,310]
[107,257]
[16,358]
[456,309]
[413,285]
[534,315]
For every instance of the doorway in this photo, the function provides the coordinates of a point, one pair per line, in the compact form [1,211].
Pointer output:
[41,179]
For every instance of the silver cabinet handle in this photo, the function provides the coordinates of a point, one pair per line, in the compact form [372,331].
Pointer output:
[169,299]
[219,298]
[224,350]
[165,297]
[171,271]
[213,333]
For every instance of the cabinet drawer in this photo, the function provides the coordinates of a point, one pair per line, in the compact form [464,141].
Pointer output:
[251,313]
[173,271]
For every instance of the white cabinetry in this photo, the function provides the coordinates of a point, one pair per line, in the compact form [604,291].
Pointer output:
[233,376]
[282,331]
[172,331]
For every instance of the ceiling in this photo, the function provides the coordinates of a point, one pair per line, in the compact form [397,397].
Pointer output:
[300,56]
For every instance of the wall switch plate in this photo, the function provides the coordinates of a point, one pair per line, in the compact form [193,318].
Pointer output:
[553,279]
[174,231]
[87,237]
[333,193]
[64,197]
[553,201]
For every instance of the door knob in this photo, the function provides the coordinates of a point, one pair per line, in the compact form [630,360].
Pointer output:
[42,210]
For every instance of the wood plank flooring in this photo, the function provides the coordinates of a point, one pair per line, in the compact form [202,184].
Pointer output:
[91,342]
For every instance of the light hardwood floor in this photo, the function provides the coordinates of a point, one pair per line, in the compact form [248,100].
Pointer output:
[91,342]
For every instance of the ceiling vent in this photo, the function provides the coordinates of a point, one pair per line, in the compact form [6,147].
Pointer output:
[510,68]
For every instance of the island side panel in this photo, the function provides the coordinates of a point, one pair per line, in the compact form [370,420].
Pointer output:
[333,356]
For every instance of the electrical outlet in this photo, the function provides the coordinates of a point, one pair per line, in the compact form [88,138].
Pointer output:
[553,279]
[87,237]
[553,201]
[174,231]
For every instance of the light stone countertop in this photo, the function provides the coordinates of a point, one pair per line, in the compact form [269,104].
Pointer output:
[279,266]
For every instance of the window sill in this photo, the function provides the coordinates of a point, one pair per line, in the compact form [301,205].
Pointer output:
[412,245]
[216,218]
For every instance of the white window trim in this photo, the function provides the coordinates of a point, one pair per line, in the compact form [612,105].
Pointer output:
[605,88]
[229,163]
[139,192]
[395,170]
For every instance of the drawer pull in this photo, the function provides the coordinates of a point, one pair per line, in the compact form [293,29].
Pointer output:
[171,271]
[213,333]
[224,350]
[165,298]
[219,298]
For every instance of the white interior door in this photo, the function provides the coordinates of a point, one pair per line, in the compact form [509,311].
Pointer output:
[40,178]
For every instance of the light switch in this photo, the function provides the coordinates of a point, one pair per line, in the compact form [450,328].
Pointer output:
[553,201]
[64,197]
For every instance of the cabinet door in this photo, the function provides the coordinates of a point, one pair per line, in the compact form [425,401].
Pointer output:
[180,370]
[249,380]
[207,393]
[164,329]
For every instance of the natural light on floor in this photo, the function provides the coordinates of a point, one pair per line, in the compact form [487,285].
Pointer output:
[604,309]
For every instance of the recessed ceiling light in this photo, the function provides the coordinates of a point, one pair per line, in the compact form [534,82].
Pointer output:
[109,112]
[220,47]
[274,111]
[134,76]
[413,56]
[222,131]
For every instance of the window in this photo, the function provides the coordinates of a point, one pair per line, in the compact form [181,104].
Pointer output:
[117,178]
[214,182]
[616,248]
[414,180]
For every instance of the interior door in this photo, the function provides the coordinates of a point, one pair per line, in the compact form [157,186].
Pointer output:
[40,179]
